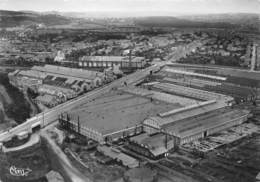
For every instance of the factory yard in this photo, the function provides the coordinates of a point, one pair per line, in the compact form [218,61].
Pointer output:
[237,161]
[222,138]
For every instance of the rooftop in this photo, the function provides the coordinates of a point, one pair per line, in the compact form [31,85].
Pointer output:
[46,98]
[187,113]
[156,95]
[32,73]
[111,58]
[198,124]
[52,88]
[72,72]
[177,71]
[117,110]
[191,92]
[155,143]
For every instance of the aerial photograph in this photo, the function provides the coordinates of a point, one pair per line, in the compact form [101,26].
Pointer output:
[129,90]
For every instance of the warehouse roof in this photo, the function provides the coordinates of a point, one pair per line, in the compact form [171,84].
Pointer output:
[155,143]
[195,74]
[195,125]
[111,58]
[191,92]
[156,95]
[117,110]
[78,73]
[32,73]
[161,121]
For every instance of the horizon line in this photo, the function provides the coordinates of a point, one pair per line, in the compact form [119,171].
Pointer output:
[161,13]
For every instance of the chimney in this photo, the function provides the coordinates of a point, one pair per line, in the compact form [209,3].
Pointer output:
[253,58]
[130,59]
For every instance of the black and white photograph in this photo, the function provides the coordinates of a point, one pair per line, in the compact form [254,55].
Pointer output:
[129,90]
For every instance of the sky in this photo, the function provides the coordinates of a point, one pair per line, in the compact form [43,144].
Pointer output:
[136,7]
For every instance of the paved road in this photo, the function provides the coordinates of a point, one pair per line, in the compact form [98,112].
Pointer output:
[45,118]
[68,171]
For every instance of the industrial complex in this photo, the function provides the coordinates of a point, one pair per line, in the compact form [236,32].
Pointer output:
[57,84]
[107,115]
[160,114]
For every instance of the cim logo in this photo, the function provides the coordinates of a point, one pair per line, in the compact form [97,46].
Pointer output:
[14,171]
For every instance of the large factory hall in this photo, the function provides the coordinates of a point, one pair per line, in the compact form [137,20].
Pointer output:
[157,115]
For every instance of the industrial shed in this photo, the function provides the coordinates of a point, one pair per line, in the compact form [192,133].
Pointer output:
[95,77]
[154,123]
[110,61]
[153,146]
[187,128]
[115,115]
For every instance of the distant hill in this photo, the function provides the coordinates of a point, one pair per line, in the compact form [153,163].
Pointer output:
[19,18]
[234,18]
[180,23]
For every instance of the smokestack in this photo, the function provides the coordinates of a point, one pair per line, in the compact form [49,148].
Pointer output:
[253,58]
[130,59]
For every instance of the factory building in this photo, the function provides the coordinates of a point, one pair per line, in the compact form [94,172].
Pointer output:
[241,88]
[153,146]
[25,79]
[96,78]
[115,115]
[56,84]
[187,126]
[157,119]
[111,61]
[197,120]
